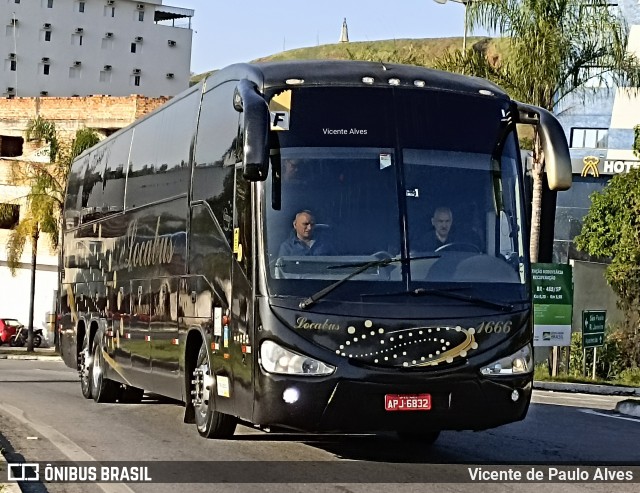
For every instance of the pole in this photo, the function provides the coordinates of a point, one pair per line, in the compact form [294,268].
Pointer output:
[595,352]
[464,35]
[15,50]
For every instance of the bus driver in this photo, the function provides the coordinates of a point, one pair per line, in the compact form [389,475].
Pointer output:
[302,240]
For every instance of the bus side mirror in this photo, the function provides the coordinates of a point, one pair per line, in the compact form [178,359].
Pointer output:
[251,104]
[557,159]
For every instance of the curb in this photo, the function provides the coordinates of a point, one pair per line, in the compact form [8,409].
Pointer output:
[40,357]
[8,487]
[587,388]
[630,407]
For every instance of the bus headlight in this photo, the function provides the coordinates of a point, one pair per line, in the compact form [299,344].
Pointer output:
[276,359]
[519,362]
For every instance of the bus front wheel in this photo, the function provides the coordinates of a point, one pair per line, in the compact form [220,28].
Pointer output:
[210,423]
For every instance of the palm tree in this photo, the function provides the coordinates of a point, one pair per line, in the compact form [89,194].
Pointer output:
[44,199]
[554,48]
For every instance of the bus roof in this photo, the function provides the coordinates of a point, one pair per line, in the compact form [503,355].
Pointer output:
[351,73]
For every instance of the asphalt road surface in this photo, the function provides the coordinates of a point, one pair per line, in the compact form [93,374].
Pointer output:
[45,419]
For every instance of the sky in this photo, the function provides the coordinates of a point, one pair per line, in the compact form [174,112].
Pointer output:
[227,32]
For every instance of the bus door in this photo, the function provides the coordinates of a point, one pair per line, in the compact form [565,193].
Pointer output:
[138,339]
[163,331]
[241,350]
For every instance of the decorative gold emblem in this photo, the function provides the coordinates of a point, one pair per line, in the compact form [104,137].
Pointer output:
[411,347]
[590,166]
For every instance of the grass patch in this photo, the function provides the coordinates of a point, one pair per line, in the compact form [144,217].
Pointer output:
[627,378]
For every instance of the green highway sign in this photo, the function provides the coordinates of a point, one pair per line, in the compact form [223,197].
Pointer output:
[552,286]
[593,340]
[593,323]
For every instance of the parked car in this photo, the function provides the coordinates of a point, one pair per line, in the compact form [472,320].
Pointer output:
[8,328]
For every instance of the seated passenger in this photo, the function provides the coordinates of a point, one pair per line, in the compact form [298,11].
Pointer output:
[441,235]
[302,240]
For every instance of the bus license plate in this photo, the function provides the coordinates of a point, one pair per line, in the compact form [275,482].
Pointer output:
[407,402]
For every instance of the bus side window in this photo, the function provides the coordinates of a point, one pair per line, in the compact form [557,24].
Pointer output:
[216,155]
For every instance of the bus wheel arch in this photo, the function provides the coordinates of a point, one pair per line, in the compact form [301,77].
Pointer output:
[192,347]
[200,392]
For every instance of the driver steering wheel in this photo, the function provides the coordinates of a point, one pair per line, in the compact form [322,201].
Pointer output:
[465,247]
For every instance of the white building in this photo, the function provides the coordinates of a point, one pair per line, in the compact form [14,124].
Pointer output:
[102,113]
[599,128]
[86,47]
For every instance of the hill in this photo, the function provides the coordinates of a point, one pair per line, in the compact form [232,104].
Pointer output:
[412,51]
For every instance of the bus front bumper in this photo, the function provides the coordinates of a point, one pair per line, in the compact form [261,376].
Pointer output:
[348,406]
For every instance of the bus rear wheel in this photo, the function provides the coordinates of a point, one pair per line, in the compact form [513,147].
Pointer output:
[210,423]
[85,366]
[102,389]
[423,437]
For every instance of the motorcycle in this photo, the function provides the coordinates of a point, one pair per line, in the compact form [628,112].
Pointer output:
[19,339]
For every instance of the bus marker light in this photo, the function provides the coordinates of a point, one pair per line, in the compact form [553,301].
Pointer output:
[291,395]
[394,82]
[368,80]
[419,83]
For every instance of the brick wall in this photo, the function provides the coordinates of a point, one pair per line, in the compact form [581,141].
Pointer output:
[72,113]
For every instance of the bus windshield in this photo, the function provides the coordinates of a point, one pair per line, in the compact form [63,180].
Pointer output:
[423,214]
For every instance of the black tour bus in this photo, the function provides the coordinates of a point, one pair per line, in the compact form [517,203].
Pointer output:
[174,280]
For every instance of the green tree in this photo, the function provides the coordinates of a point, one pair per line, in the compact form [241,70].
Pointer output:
[611,229]
[46,183]
[554,48]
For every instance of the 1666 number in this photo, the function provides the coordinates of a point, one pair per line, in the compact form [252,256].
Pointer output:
[494,327]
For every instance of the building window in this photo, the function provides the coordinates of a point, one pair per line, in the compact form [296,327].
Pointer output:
[133,47]
[49,4]
[141,16]
[590,138]
[136,80]
[11,146]
[16,1]
[109,11]
[13,65]
[10,220]
[105,76]
[45,69]
[47,35]
[81,7]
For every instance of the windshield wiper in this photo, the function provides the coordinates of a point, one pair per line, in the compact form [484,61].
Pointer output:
[448,293]
[306,303]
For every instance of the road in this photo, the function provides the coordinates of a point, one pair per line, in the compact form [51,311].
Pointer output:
[45,418]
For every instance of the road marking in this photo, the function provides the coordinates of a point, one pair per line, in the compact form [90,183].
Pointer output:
[68,447]
[591,411]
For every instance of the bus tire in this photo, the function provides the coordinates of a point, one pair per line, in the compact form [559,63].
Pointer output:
[102,389]
[85,367]
[210,423]
[422,437]
[130,395]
